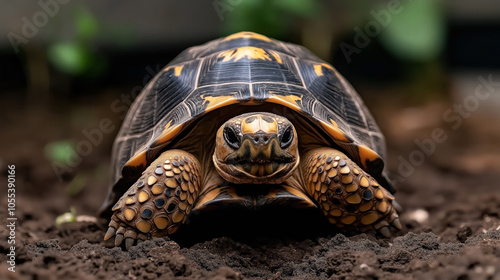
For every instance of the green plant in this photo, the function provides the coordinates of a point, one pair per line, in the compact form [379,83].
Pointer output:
[78,56]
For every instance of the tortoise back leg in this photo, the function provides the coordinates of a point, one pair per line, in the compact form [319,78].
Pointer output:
[159,202]
[348,196]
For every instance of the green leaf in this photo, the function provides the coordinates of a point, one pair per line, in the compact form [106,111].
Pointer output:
[60,151]
[68,217]
[69,58]
[417,32]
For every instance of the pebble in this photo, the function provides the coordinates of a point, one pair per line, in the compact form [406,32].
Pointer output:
[421,216]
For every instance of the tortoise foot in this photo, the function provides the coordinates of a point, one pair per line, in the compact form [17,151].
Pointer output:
[159,202]
[121,231]
[348,196]
[389,222]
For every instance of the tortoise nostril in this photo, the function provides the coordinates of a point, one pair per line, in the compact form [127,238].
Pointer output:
[261,139]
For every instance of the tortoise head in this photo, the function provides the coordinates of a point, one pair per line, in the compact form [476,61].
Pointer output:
[256,148]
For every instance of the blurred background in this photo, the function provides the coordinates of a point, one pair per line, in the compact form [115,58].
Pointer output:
[70,69]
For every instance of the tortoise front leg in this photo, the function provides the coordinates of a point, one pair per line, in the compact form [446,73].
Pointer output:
[347,195]
[159,202]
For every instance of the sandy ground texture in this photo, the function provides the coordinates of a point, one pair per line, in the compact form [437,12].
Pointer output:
[451,202]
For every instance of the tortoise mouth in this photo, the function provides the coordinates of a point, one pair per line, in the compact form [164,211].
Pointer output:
[238,160]
[260,169]
[252,154]
[265,162]
[245,171]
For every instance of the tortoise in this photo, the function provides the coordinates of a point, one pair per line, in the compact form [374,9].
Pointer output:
[247,112]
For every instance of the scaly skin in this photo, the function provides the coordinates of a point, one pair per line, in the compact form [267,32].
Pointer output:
[159,202]
[348,196]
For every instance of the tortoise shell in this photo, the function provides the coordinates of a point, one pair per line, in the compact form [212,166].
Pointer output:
[244,69]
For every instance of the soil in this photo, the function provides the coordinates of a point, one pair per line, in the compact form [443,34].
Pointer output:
[450,200]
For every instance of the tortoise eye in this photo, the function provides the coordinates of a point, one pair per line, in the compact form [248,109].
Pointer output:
[230,137]
[287,138]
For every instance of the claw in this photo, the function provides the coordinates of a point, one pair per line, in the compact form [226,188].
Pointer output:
[129,242]
[123,232]
[118,239]
[110,233]
[397,224]
[397,206]
[385,232]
